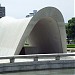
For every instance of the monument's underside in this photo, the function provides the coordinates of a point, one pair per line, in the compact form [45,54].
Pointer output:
[45,31]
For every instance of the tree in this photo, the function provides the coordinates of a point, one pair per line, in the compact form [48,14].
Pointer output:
[70,29]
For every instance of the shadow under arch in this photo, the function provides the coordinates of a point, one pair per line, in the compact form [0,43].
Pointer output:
[46,30]
[46,36]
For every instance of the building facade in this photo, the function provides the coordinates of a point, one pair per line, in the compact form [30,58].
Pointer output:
[2,11]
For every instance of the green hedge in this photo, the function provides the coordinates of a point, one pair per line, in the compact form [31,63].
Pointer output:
[71,46]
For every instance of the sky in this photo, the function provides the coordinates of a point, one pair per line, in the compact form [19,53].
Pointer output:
[20,8]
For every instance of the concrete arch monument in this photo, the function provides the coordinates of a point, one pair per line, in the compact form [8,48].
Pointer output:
[45,30]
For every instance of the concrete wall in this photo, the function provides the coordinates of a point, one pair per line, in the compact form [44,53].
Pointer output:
[46,72]
[37,65]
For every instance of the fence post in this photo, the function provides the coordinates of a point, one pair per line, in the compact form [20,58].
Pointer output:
[11,60]
[36,58]
[57,58]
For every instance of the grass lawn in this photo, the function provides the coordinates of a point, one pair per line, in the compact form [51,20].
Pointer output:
[71,46]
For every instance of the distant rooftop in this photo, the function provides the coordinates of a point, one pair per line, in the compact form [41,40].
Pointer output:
[2,11]
[32,14]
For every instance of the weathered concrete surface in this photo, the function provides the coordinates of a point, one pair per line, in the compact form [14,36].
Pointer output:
[45,72]
[37,65]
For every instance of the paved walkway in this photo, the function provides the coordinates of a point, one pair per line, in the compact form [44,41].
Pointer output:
[70,48]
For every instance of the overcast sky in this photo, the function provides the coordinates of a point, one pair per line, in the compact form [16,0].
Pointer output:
[21,8]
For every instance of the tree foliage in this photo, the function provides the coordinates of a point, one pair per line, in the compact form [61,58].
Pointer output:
[70,28]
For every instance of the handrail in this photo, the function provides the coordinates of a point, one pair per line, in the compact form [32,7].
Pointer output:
[36,56]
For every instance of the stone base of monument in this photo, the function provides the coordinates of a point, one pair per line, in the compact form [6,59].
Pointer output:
[34,50]
[29,50]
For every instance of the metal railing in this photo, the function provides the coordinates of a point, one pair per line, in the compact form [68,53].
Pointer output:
[36,56]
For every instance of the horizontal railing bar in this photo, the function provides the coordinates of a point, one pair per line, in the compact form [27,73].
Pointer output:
[38,55]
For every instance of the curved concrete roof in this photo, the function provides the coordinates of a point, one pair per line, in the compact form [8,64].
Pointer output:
[45,30]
